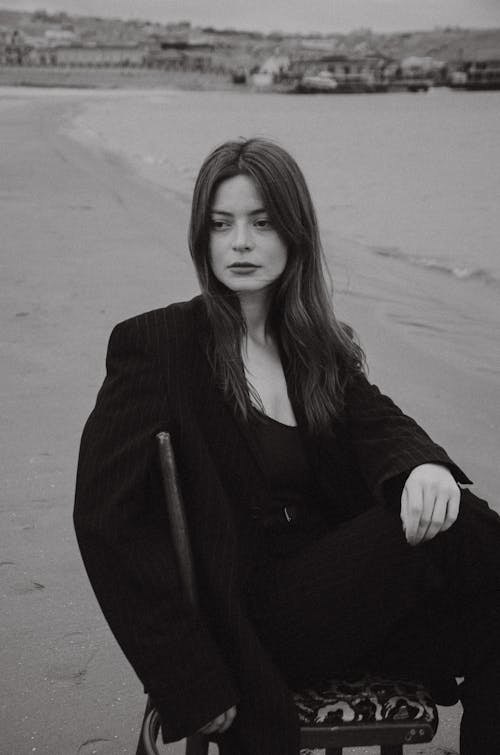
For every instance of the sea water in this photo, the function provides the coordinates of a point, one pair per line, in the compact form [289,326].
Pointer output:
[413,177]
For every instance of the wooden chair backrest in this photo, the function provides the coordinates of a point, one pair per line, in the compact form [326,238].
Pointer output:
[177,516]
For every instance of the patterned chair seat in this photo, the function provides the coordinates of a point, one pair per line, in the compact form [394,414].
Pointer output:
[368,701]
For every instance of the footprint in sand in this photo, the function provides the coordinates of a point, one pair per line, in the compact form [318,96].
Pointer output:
[20,584]
[72,656]
[96,747]
[26,587]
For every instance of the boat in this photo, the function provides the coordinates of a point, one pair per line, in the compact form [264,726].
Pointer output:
[410,84]
[477,75]
[326,83]
[322,83]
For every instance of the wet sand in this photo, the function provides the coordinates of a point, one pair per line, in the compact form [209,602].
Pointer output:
[85,243]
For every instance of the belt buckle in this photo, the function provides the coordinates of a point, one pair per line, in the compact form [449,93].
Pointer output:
[287,515]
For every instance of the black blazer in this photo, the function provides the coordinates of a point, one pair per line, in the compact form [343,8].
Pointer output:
[158,378]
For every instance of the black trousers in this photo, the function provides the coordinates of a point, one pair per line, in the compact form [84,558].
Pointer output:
[358,598]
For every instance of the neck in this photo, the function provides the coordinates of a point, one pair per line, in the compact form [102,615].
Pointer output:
[255,309]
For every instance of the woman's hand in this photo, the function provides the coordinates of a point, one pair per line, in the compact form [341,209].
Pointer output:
[429,502]
[221,723]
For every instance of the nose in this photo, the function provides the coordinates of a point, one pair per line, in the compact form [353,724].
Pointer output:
[242,239]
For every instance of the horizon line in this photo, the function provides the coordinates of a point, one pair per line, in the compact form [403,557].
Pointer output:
[253,30]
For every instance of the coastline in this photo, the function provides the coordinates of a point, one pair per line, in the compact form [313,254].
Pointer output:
[90,240]
[101,79]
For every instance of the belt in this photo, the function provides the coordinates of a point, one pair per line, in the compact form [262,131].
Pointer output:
[284,517]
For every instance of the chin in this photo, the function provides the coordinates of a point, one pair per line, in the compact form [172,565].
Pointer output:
[245,285]
[249,289]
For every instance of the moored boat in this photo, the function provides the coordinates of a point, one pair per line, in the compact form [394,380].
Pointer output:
[325,82]
[410,84]
[322,83]
[477,75]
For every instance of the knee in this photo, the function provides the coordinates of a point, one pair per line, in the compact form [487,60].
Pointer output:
[476,511]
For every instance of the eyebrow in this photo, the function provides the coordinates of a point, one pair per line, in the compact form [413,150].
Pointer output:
[230,214]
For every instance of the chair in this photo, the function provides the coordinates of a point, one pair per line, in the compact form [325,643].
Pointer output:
[334,715]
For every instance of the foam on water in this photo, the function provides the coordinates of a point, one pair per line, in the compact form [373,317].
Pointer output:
[462,271]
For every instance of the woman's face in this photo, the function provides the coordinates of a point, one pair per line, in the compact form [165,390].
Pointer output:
[246,253]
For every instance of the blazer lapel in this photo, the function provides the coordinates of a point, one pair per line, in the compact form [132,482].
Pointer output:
[217,416]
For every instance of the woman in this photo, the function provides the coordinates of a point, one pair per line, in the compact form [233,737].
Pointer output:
[297,476]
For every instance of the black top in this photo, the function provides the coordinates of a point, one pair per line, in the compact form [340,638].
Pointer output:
[291,517]
[284,458]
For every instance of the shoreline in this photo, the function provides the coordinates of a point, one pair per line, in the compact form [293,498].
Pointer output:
[95,79]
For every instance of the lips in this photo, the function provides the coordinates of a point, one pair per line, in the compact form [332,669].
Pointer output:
[243,266]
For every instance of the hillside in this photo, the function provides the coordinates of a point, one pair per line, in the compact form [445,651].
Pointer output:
[446,44]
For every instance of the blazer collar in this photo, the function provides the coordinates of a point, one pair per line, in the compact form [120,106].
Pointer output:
[213,408]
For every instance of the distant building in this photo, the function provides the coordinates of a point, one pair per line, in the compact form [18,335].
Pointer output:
[275,65]
[179,55]
[313,46]
[175,32]
[96,56]
[57,37]
[271,71]
[13,47]
[426,66]
[479,74]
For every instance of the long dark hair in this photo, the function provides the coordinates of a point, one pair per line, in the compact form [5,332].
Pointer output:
[319,352]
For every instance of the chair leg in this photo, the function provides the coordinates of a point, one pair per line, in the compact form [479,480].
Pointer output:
[391,749]
[141,749]
[197,745]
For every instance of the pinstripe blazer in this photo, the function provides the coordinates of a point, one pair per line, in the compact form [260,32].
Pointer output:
[158,378]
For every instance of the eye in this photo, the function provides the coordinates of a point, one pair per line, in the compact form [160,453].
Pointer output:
[218,225]
[263,223]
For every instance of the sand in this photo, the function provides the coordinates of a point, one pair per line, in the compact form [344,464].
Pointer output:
[73,229]
[85,243]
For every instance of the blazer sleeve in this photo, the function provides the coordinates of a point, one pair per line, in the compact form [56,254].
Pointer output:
[387,443]
[123,535]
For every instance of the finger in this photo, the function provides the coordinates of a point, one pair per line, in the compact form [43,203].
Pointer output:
[228,716]
[426,516]
[438,517]
[229,720]
[208,729]
[405,510]
[452,510]
[412,511]
[212,725]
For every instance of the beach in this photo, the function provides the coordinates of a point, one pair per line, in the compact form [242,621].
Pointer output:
[94,204]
